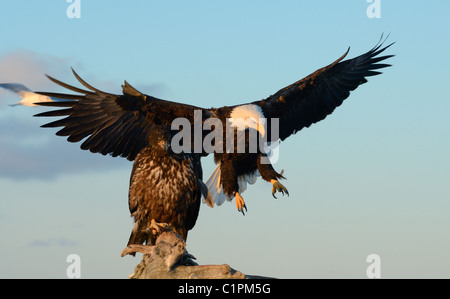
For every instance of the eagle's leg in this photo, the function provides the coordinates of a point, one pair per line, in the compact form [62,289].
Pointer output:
[155,229]
[269,174]
[230,183]
[240,203]
[277,186]
[158,228]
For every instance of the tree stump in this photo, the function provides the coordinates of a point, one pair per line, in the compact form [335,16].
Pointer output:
[169,259]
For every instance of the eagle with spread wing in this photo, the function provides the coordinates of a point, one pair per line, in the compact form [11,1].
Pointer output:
[122,125]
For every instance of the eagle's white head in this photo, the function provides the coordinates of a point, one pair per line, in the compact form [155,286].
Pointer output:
[248,116]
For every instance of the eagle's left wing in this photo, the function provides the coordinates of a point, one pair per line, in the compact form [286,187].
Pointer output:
[313,98]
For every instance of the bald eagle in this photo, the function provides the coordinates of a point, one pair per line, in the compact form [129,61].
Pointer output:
[165,187]
[121,125]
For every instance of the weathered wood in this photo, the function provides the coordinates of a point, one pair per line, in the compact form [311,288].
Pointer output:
[149,268]
[168,259]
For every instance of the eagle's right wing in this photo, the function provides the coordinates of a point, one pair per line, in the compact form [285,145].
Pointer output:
[112,124]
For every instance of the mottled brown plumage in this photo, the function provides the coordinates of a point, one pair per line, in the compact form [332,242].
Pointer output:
[165,187]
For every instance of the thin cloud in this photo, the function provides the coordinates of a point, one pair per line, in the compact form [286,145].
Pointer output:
[59,242]
[26,150]
[156,89]
[30,152]
[29,68]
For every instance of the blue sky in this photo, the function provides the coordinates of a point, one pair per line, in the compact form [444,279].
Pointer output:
[370,178]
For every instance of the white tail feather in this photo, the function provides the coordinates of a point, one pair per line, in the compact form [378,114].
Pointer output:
[216,189]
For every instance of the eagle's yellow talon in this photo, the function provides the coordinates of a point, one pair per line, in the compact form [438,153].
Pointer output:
[240,204]
[277,186]
[157,228]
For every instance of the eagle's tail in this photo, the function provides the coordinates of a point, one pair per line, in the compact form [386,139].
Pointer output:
[216,189]
[206,195]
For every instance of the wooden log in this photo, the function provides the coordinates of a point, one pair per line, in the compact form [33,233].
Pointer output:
[168,259]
